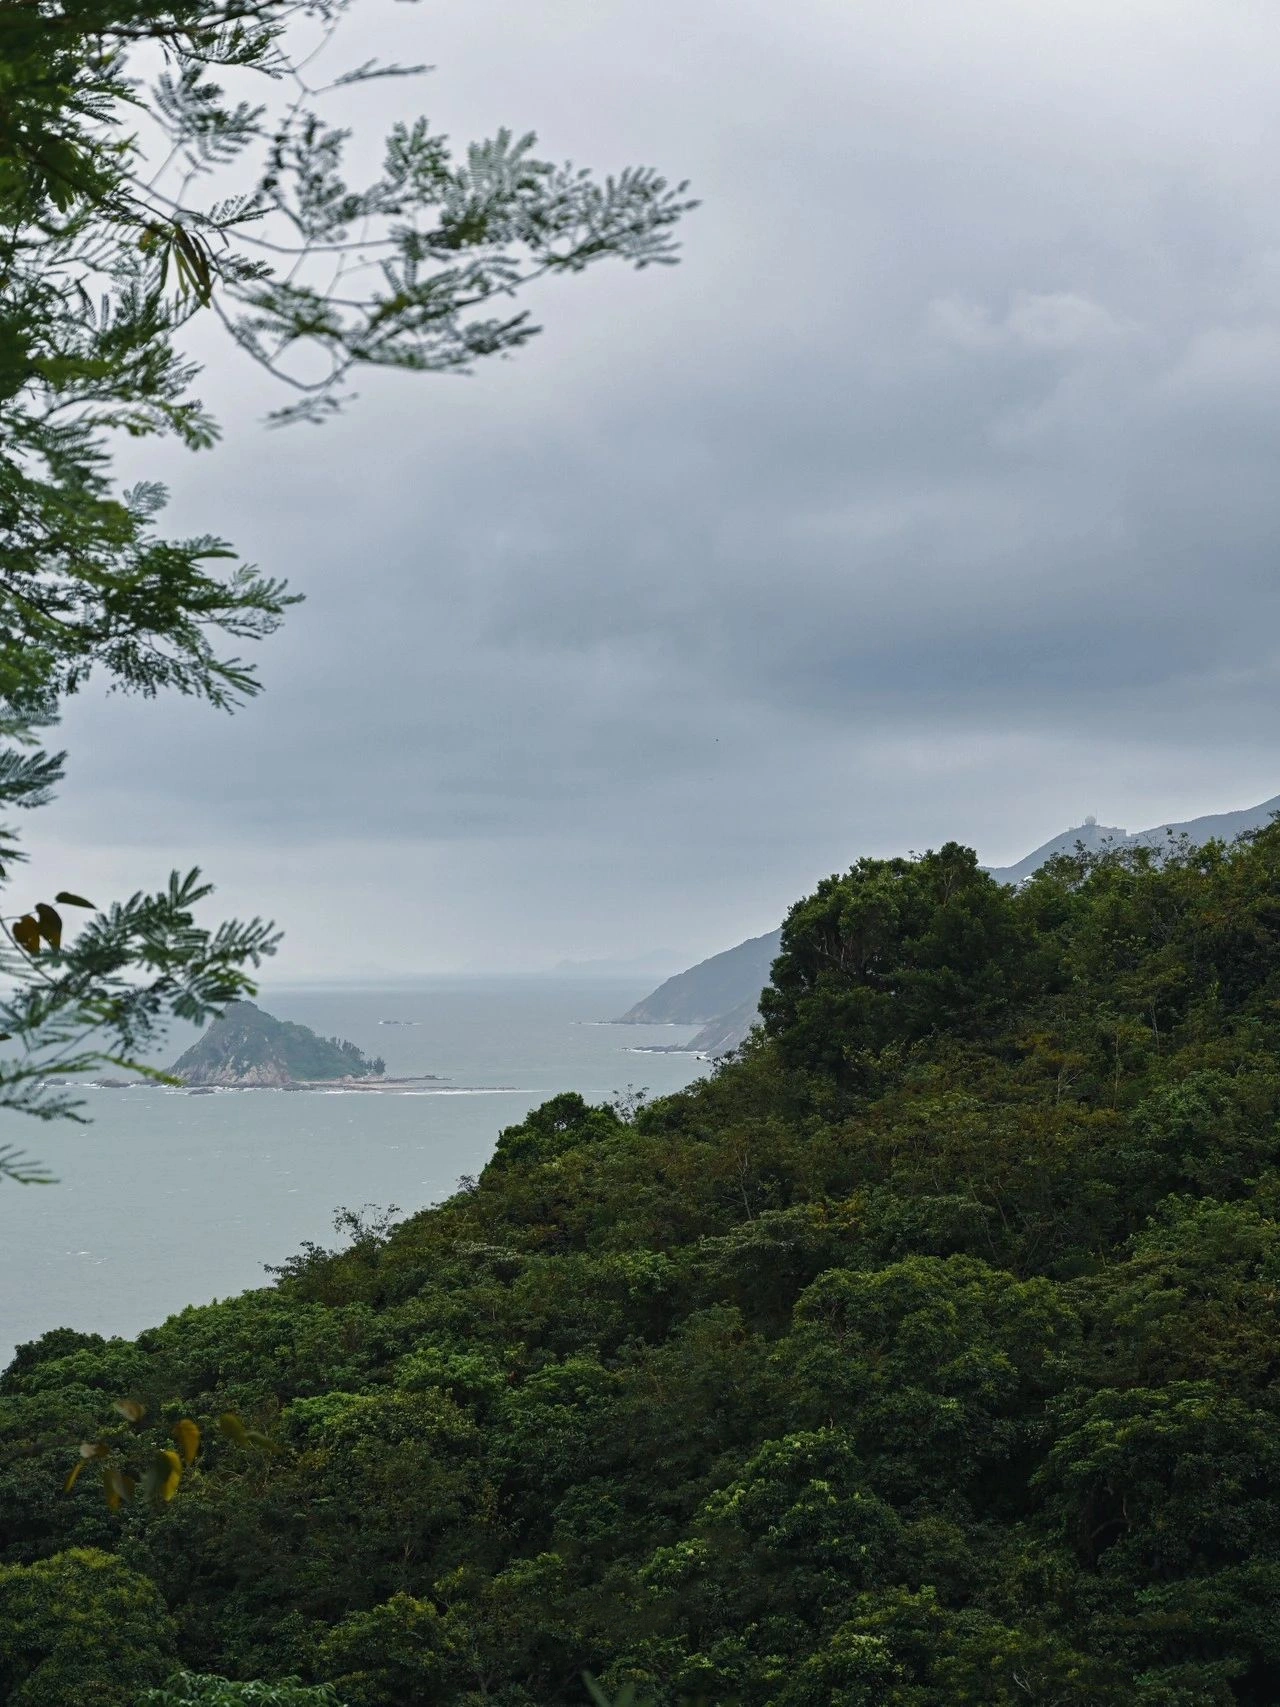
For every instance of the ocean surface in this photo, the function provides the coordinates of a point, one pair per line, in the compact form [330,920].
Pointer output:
[169,1198]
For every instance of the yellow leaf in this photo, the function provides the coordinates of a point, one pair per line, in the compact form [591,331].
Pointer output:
[26,933]
[117,1486]
[50,924]
[165,1472]
[130,1409]
[187,1435]
[230,1425]
[89,1450]
[69,900]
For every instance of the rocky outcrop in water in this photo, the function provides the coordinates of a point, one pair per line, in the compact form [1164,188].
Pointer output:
[247,1048]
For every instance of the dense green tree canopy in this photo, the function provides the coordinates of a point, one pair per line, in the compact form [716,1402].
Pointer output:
[951,1380]
[80,1626]
[892,952]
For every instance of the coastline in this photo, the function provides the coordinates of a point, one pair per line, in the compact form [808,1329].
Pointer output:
[194,1086]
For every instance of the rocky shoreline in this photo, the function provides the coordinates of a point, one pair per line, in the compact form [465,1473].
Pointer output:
[257,1080]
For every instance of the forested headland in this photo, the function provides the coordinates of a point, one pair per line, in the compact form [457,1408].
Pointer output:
[926,1354]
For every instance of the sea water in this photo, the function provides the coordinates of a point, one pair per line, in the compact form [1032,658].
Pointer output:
[171,1198]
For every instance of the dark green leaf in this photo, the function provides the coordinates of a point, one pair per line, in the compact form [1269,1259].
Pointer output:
[26,933]
[50,924]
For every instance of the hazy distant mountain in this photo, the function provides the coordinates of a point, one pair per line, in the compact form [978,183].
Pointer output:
[1091,833]
[707,991]
[654,965]
[722,994]
[1218,826]
[248,1047]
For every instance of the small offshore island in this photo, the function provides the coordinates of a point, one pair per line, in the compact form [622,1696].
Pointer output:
[247,1049]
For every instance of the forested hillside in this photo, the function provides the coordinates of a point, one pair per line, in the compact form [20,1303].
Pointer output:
[925,1356]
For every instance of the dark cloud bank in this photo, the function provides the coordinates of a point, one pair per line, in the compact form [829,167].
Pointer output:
[932,496]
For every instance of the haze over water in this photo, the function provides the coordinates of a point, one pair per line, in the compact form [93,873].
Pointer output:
[170,1199]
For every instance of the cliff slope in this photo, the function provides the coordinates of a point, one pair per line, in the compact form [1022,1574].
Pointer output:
[707,991]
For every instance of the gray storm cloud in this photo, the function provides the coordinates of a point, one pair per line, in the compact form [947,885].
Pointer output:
[932,495]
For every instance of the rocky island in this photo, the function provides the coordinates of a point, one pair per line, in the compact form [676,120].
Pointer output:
[246,1048]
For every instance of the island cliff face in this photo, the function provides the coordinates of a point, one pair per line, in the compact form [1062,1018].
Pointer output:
[249,1048]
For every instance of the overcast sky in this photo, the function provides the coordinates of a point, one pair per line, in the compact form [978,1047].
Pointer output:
[934,495]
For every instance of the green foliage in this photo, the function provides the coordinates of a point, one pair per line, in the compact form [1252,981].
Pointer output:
[553,1130]
[925,1355]
[892,953]
[190,1689]
[80,1627]
[107,996]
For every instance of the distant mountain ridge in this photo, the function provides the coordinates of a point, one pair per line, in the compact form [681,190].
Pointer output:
[722,994]
[1218,826]
[1091,835]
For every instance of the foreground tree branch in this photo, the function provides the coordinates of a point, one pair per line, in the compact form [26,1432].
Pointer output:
[158,162]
